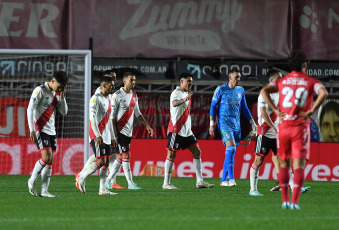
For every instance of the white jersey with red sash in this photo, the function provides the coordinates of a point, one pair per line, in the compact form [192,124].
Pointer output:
[100,115]
[264,128]
[41,109]
[125,107]
[180,122]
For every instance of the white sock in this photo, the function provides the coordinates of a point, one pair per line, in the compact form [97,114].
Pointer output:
[90,170]
[198,171]
[38,167]
[127,170]
[254,172]
[168,169]
[102,176]
[111,162]
[114,170]
[45,178]
[89,161]
[291,179]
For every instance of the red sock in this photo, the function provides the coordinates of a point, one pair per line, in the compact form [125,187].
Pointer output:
[278,176]
[284,177]
[298,182]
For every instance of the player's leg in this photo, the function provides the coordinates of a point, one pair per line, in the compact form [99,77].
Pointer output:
[275,161]
[113,182]
[127,171]
[90,160]
[44,146]
[103,171]
[47,171]
[114,169]
[196,152]
[173,144]
[284,153]
[229,160]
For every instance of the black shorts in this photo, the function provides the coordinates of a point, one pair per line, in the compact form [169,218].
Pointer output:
[176,142]
[263,145]
[101,151]
[124,143]
[45,141]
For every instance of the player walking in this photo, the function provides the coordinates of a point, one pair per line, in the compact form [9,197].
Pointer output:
[180,135]
[227,101]
[294,110]
[41,109]
[101,135]
[125,107]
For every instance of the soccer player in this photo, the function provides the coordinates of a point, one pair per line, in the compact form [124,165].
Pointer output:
[44,101]
[101,136]
[266,134]
[180,135]
[91,159]
[294,110]
[227,101]
[125,107]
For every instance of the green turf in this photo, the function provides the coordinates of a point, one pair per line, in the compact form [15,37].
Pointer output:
[154,208]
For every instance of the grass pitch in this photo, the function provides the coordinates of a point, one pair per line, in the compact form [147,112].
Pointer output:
[154,208]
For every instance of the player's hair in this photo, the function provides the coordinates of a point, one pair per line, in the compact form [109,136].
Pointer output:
[61,77]
[330,106]
[107,73]
[234,70]
[185,75]
[106,79]
[272,73]
[126,74]
[296,60]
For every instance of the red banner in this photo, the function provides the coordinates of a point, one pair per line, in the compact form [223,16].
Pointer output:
[18,156]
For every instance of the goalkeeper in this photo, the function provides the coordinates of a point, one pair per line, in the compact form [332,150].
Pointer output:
[226,103]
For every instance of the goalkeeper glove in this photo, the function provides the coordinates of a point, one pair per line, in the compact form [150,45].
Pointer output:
[254,126]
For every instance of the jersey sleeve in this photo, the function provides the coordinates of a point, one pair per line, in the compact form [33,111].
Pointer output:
[175,95]
[115,105]
[244,107]
[62,106]
[137,112]
[317,86]
[93,112]
[215,101]
[33,102]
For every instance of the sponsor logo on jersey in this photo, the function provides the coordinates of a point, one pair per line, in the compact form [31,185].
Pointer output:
[239,95]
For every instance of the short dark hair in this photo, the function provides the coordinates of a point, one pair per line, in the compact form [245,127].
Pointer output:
[329,106]
[126,74]
[61,77]
[234,70]
[107,73]
[296,59]
[106,79]
[271,73]
[185,75]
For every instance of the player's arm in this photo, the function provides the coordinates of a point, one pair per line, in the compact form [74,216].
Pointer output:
[62,105]
[265,92]
[141,118]
[33,102]
[247,113]
[177,102]
[115,107]
[322,95]
[267,119]
[213,110]
[93,113]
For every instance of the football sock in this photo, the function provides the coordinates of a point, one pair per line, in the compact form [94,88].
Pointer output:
[114,179]
[197,166]
[254,172]
[168,169]
[39,165]
[114,170]
[102,176]
[90,160]
[291,179]
[284,177]
[90,170]
[127,170]
[45,177]
[299,178]
[228,169]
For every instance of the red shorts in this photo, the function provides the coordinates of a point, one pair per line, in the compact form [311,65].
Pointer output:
[293,141]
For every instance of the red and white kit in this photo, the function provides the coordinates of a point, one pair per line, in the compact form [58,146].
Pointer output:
[264,128]
[125,106]
[41,109]
[180,122]
[296,92]
[100,111]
